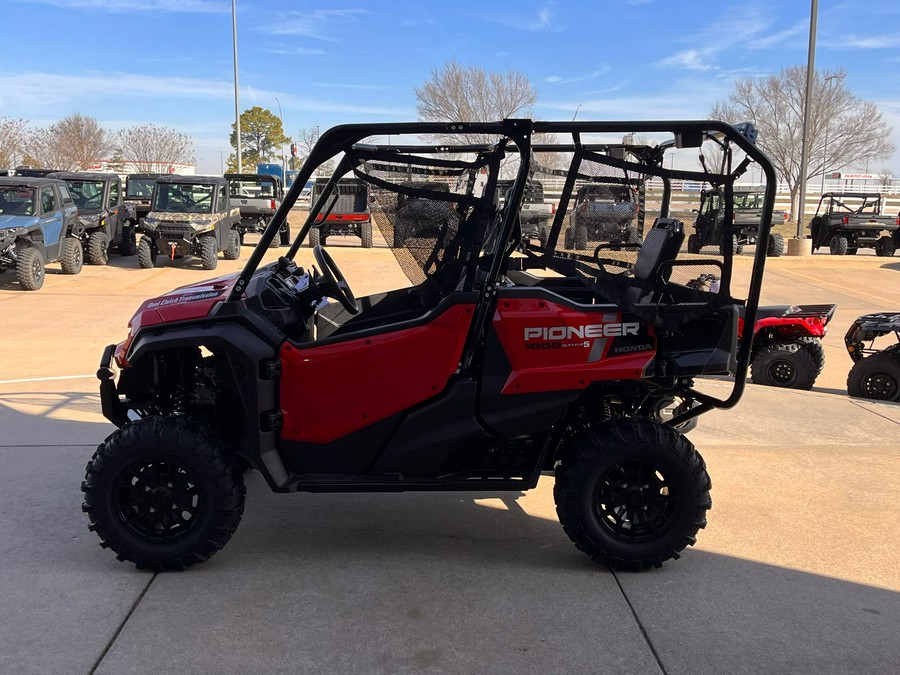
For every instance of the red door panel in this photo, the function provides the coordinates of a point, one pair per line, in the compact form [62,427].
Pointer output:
[552,347]
[330,391]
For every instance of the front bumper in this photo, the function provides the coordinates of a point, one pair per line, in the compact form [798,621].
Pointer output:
[110,404]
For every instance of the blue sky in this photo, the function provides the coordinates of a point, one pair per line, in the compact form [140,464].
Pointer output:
[170,61]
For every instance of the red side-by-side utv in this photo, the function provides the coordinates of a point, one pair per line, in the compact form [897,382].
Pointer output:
[498,363]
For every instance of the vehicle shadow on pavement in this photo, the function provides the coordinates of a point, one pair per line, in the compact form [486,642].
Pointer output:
[891,266]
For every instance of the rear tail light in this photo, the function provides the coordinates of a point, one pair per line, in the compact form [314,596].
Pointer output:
[785,215]
[846,220]
[272,204]
[897,220]
[553,209]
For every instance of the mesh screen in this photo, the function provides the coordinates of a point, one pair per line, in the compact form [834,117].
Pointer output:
[427,214]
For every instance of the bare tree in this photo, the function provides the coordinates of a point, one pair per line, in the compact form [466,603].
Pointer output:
[844,130]
[471,94]
[154,149]
[75,142]
[12,141]
[886,176]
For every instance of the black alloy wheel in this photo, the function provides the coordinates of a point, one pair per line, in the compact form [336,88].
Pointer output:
[635,501]
[157,500]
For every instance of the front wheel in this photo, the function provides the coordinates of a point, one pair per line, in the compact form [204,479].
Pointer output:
[209,252]
[146,253]
[160,494]
[838,245]
[129,241]
[693,243]
[233,247]
[775,248]
[71,257]
[876,377]
[632,494]
[30,269]
[785,364]
[98,248]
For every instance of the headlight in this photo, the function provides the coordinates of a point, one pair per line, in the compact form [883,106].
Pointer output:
[89,220]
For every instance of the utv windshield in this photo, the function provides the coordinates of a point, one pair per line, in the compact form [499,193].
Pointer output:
[140,187]
[183,198]
[16,201]
[88,194]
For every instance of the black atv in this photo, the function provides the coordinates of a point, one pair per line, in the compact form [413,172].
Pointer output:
[499,363]
[876,372]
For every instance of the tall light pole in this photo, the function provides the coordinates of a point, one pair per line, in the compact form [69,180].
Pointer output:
[825,149]
[577,108]
[237,105]
[281,146]
[804,151]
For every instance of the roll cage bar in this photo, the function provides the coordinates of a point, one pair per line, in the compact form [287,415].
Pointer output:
[519,132]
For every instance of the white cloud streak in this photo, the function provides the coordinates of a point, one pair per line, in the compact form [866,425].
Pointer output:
[317,24]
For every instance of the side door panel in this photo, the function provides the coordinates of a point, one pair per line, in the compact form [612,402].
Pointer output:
[51,222]
[335,389]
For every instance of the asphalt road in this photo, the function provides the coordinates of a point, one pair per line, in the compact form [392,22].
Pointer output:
[798,570]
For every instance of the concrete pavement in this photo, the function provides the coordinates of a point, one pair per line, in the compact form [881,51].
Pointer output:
[797,571]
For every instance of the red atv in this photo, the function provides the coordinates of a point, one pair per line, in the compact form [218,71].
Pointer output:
[787,345]
[493,367]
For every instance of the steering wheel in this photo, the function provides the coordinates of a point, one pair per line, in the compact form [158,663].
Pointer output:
[332,283]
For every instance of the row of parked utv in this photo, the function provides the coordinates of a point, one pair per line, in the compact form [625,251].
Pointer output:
[49,216]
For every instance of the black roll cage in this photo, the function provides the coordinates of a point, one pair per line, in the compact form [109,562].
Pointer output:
[686,134]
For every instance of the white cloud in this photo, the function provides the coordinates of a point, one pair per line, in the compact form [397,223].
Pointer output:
[542,21]
[556,79]
[868,42]
[315,24]
[798,30]
[33,89]
[191,6]
[691,59]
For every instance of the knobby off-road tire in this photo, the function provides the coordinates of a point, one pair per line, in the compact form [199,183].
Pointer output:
[71,257]
[785,364]
[876,377]
[30,269]
[98,248]
[581,237]
[314,238]
[543,235]
[632,494]
[775,249]
[838,245]
[365,234]
[233,247]
[146,253]
[568,239]
[128,247]
[884,247]
[813,345]
[160,494]
[209,252]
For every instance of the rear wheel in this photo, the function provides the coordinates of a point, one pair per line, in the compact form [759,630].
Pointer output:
[632,494]
[775,248]
[884,247]
[581,237]
[209,252]
[365,232]
[30,269]
[146,253]
[233,248]
[98,248]
[569,239]
[813,345]
[543,235]
[71,257]
[784,364]
[160,494]
[838,245]
[314,238]
[129,241]
[876,377]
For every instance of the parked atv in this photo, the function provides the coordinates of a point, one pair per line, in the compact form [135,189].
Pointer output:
[787,345]
[744,213]
[37,223]
[106,219]
[848,221]
[257,196]
[344,211]
[876,372]
[604,212]
[493,367]
[190,215]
